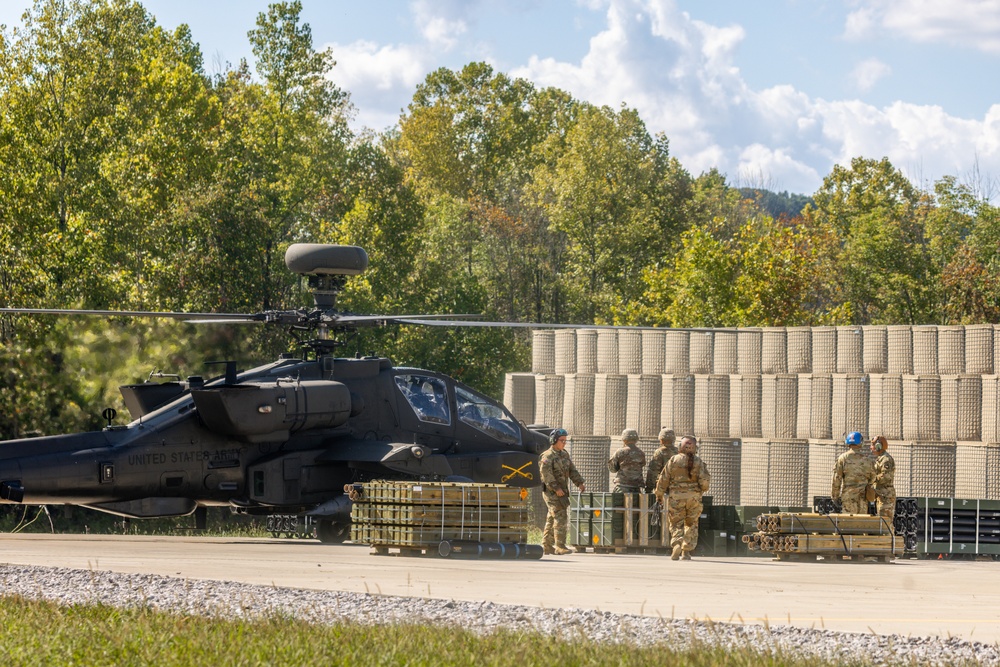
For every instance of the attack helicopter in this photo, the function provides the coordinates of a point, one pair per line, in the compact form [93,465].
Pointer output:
[282,438]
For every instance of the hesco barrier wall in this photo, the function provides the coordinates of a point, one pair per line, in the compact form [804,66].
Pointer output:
[933,391]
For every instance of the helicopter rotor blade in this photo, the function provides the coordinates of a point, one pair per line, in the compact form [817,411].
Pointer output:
[526,325]
[205,317]
[330,319]
[484,324]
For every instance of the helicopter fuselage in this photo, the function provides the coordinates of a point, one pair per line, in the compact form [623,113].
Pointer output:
[284,437]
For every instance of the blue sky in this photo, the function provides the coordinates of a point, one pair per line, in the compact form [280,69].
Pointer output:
[772,93]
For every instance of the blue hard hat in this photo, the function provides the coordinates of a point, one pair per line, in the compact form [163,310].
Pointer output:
[853,438]
[556,434]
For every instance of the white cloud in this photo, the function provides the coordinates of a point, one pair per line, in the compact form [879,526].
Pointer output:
[868,72]
[683,78]
[442,23]
[921,140]
[681,75]
[379,77]
[971,23]
[772,168]
[860,23]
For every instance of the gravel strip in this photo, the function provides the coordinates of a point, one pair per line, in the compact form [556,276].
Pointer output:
[235,600]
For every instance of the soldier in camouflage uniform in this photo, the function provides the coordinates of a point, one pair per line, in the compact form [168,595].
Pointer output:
[660,457]
[684,480]
[852,473]
[885,471]
[557,472]
[627,463]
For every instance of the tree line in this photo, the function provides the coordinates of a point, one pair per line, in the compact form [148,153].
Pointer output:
[134,179]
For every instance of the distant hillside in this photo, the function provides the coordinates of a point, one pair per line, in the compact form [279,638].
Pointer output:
[777,204]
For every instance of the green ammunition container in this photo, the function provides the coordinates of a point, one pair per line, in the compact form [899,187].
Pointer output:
[580,531]
[723,517]
[746,513]
[607,519]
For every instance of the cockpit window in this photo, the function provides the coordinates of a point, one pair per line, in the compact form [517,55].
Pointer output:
[427,395]
[486,416]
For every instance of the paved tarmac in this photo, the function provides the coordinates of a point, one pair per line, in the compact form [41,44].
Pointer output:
[906,597]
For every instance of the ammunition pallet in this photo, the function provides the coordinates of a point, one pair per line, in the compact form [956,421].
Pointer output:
[437,493]
[416,516]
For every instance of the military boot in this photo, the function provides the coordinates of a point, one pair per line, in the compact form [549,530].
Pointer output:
[676,554]
[686,556]
[548,550]
[563,550]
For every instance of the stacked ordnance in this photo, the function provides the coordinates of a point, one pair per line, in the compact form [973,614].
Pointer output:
[425,514]
[957,527]
[906,521]
[828,535]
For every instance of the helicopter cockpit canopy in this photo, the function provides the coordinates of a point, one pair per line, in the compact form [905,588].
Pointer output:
[487,417]
[427,395]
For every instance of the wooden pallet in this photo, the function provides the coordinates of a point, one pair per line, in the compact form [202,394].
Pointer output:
[832,558]
[622,549]
[404,550]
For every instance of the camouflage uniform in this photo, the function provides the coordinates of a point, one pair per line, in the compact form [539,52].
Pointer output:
[852,472]
[659,459]
[557,471]
[885,491]
[684,493]
[627,464]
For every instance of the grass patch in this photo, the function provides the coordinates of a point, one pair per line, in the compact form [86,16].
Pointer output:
[44,633]
[71,519]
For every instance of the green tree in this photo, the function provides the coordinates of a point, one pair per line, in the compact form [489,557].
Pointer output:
[876,262]
[611,190]
[697,289]
[964,234]
[280,153]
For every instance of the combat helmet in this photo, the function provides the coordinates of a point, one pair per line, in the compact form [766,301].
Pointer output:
[630,435]
[853,439]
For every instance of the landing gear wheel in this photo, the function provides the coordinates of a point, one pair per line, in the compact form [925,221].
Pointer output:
[330,532]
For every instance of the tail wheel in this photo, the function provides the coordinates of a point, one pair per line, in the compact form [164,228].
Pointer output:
[332,532]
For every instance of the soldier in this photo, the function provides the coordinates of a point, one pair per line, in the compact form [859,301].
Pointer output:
[557,471]
[660,458]
[684,480]
[885,470]
[627,463]
[852,473]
